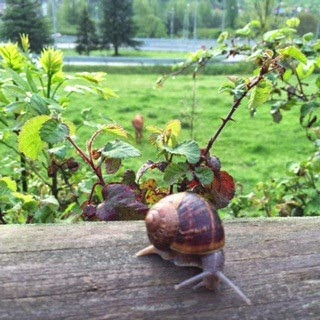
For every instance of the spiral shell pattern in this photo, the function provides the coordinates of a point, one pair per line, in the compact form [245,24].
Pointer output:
[186,223]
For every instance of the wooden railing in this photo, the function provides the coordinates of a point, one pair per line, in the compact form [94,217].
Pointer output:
[89,271]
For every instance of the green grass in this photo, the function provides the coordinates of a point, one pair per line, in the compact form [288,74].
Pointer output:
[215,68]
[129,53]
[251,149]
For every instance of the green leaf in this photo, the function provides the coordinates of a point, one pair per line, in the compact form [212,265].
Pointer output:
[11,184]
[106,93]
[30,143]
[94,77]
[205,175]
[54,131]
[173,127]
[287,75]
[273,35]
[16,107]
[308,108]
[39,105]
[32,84]
[120,150]
[12,56]
[295,53]
[59,152]
[15,91]
[116,130]
[18,80]
[304,71]
[190,149]
[293,167]
[3,98]
[51,60]
[260,94]
[174,172]
[293,22]
[308,37]
[223,37]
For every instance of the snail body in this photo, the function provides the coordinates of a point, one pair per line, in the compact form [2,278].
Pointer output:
[186,229]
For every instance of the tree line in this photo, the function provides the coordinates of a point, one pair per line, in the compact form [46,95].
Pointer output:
[100,24]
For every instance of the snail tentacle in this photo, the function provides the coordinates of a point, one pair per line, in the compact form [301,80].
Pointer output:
[236,289]
[192,280]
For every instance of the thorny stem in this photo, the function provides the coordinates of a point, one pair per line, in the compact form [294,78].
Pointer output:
[233,110]
[88,160]
[90,144]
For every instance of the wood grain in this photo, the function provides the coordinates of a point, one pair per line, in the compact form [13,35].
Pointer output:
[89,271]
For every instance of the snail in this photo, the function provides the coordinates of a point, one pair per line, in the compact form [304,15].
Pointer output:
[186,229]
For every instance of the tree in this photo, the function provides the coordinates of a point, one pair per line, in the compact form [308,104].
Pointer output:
[262,9]
[87,39]
[117,24]
[232,13]
[25,16]
[147,20]
[71,11]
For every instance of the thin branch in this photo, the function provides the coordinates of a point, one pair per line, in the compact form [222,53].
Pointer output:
[88,160]
[299,83]
[92,191]
[232,111]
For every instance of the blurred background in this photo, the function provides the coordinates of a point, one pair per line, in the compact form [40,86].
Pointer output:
[157,25]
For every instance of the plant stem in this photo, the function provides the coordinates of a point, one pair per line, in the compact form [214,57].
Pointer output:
[193,107]
[88,160]
[92,191]
[299,83]
[24,174]
[232,111]
[49,84]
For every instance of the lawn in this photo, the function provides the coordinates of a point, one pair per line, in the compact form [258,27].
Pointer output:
[251,149]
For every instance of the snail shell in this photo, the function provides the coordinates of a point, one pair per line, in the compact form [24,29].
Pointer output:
[185,223]
[186,229]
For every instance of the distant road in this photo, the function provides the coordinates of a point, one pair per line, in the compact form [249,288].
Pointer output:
[119,61]
[148,44]
[134,61]
[173,45]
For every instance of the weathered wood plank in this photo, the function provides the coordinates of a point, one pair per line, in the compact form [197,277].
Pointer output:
[89,271]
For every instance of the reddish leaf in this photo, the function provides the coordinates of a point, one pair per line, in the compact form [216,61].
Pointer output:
[112,165]
[193,184]
[222,190]
[119,200]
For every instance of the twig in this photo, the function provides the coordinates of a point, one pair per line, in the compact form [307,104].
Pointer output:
[88,160]
[299,83]
[232,111]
